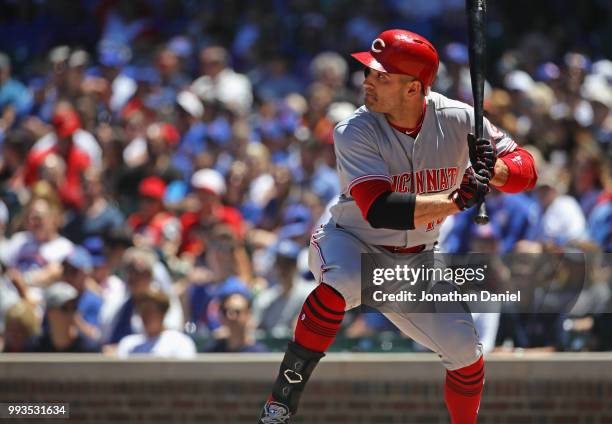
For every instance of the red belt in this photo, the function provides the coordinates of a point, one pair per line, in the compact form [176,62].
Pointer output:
[397,249]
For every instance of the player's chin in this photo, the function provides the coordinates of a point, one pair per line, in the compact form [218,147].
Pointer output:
[370,103]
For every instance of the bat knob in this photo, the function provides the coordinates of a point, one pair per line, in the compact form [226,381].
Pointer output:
[481,218]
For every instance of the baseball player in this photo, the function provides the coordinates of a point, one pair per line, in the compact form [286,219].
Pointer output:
[404,166]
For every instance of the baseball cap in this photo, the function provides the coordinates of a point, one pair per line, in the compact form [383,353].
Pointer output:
[190,103]
[66,121]
[95,247]
[287,248]
[297,213]
[59,54]
[339,111]
[209,180]
[518,80]
[79,258]
[113,54]
[577,60]
[153,187]
[59,294]
[146,74]
[297,229]
[457,53]
[547,71]
[596,88]
[78,58]
[181,46]
[234,286]
[602,67]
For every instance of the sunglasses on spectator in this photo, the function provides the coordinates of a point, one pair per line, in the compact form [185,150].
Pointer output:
[235,311]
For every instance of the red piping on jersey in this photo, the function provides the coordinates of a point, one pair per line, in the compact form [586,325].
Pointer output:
[359,180]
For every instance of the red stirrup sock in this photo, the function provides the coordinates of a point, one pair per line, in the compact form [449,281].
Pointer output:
[463,391]
[315,331]
[320,318]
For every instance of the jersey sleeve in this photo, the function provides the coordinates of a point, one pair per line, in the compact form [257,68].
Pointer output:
[501,140]
[358,158]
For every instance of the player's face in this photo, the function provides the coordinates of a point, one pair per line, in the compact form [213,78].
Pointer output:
[384,92]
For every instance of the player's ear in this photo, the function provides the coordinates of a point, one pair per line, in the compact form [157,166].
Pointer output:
[413,87]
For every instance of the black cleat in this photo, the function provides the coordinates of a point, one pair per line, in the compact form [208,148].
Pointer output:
[274,413]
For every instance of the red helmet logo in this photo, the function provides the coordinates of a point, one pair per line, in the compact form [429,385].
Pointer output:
[378,42]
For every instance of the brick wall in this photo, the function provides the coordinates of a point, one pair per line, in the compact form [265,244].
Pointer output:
[346,388]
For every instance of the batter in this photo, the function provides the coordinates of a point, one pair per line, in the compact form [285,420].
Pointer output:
[404,166]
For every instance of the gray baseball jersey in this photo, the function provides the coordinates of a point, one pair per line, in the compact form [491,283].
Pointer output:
[368,148]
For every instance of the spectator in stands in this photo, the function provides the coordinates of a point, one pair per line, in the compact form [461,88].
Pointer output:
[14,150]
[4,220]
[276,308]
[586,180]
[98,216]
[15,100]
[600,222]
[109,285]
[561,219]
[66,122]
[218,275]
[219,82]
[76,271]
[236,318]
[39,251]
[512,216]
[156,340]
[21,326]
[189,113]
[153,225]
[313,174]
[119,314]
[209,186]
[62,334]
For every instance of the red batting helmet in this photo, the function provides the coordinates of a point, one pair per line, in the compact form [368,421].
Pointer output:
[397,51]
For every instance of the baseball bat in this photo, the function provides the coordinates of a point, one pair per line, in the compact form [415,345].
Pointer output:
[476,10]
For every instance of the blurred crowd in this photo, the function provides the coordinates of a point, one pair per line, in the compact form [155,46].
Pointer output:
[163,163]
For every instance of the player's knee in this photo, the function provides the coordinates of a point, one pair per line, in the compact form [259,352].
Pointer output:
[460,346]
[348,291]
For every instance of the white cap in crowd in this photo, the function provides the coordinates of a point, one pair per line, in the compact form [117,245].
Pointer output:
[190,103]
[210,180]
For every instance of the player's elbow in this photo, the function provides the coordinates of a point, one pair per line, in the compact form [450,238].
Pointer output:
[522,173]
[393,211]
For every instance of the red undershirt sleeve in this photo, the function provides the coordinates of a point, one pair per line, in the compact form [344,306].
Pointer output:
[366,192]
[522,174]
